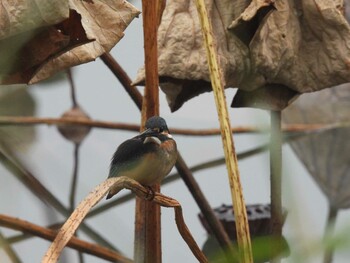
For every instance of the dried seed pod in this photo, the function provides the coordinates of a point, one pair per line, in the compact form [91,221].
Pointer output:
[259,217]
[74,133]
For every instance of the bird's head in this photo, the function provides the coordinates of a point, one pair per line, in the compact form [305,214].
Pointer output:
[156,125]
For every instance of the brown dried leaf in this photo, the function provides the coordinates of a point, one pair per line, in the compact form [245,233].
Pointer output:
[326,154]
[182,58]
[251,11]
[88,29]
[296,46]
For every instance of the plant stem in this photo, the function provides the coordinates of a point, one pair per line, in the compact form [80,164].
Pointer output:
[276,182]
[147,247]
[217,82]
[72,88]
[329,230]
[124,79]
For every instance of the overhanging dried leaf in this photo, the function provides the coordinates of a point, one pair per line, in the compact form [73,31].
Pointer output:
[298,46]
[85,30]
[182,59]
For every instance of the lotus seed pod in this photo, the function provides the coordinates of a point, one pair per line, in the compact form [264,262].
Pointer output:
[74,133]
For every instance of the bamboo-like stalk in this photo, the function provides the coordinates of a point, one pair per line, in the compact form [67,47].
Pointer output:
[147,247]
[217,81]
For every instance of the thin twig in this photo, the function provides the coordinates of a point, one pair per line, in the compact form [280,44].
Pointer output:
[24,236]
[288,128]
[72,88]
[49,234]
[75,177]
[124,79]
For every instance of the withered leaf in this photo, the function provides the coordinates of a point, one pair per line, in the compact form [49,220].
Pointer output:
[80,32]
[295,46]
[326,154]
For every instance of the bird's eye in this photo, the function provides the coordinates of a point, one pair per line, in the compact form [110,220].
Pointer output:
[161,129]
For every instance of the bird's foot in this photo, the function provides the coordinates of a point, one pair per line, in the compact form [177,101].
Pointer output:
[150,195]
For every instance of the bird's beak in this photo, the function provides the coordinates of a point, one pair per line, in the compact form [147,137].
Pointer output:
[147,132]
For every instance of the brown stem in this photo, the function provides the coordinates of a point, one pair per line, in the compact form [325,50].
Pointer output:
[75,177]
[72,88]
[124,79]
[185,233]
[147,214]
[276,181]
[49,234]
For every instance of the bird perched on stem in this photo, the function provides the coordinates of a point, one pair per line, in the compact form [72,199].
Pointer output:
[146,158]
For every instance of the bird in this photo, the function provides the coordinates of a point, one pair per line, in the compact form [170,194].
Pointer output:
[147,157]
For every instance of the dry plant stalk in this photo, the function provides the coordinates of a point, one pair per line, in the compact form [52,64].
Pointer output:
[70,226]
[217,81]
[147,214]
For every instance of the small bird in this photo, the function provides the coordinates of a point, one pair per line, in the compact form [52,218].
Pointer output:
[146,158]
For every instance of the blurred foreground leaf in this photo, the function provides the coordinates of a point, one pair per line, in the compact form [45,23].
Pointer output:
[16,101]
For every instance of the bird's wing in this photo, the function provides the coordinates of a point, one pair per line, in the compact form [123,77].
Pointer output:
[128,153]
